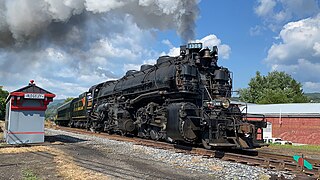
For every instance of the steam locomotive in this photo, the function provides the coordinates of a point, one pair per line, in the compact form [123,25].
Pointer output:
[182,99]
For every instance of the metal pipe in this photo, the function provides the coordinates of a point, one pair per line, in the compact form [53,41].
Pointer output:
[102,107]
[145,95]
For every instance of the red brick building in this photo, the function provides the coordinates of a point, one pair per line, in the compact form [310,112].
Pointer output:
[299,123]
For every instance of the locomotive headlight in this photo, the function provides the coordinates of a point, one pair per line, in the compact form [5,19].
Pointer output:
[218,103]
[225,103]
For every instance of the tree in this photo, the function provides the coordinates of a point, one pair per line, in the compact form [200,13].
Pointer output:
[276,87]
[68,99]
[3,96]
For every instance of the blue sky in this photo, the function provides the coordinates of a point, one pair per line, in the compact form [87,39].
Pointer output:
[66,46]
[231,21]
[250,34]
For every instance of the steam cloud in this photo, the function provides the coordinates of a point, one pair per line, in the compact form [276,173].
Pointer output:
[69,45]
[22,20]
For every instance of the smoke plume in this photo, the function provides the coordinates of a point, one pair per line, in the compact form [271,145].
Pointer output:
[22,20]
[73,44]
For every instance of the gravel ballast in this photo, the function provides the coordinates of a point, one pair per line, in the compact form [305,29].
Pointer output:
[194,166]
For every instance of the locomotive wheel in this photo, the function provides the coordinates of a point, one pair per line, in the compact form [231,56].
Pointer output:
[142,116]
[154,135]
[128,125]
[87,125]
[71,124]
[93,128]
[187,130]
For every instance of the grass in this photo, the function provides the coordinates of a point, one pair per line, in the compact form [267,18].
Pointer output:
[315,148]
[27,174]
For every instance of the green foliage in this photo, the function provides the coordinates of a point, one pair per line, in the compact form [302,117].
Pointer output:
[52,108]
[68,99]
[3,96]
[314,97]
[307,148]
[29,175]
[276,87]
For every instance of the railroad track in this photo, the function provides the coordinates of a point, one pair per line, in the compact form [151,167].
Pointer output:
[251,157]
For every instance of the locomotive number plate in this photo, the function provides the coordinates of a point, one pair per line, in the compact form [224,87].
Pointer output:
[33,96]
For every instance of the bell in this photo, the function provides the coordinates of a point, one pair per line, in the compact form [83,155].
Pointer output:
[206,54]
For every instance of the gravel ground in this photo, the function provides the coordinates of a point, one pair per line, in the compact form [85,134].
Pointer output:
[151,163]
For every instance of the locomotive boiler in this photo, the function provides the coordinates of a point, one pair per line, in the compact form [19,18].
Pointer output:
[182,99]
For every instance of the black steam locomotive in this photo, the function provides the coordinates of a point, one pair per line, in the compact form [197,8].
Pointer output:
[179,99]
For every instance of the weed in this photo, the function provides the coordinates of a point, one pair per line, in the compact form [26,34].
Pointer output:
[28,174]
[315,148]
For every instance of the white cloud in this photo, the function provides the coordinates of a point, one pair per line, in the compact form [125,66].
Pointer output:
[104,48]
[127,67]
[265,7]
[257,30]
[297,53]
[277,12]
[99,6]
[71,72]
[300,8]
[284,10]
[208,41]
[150,61]
[316,48]
[168,43]
[174,51]
[224,51]
[298,40]
[312,86]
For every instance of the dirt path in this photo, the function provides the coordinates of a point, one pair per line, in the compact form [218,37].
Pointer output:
[73,158]
[44,162]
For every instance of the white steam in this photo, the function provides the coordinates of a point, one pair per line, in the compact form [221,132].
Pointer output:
[66,46]
[23,20]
